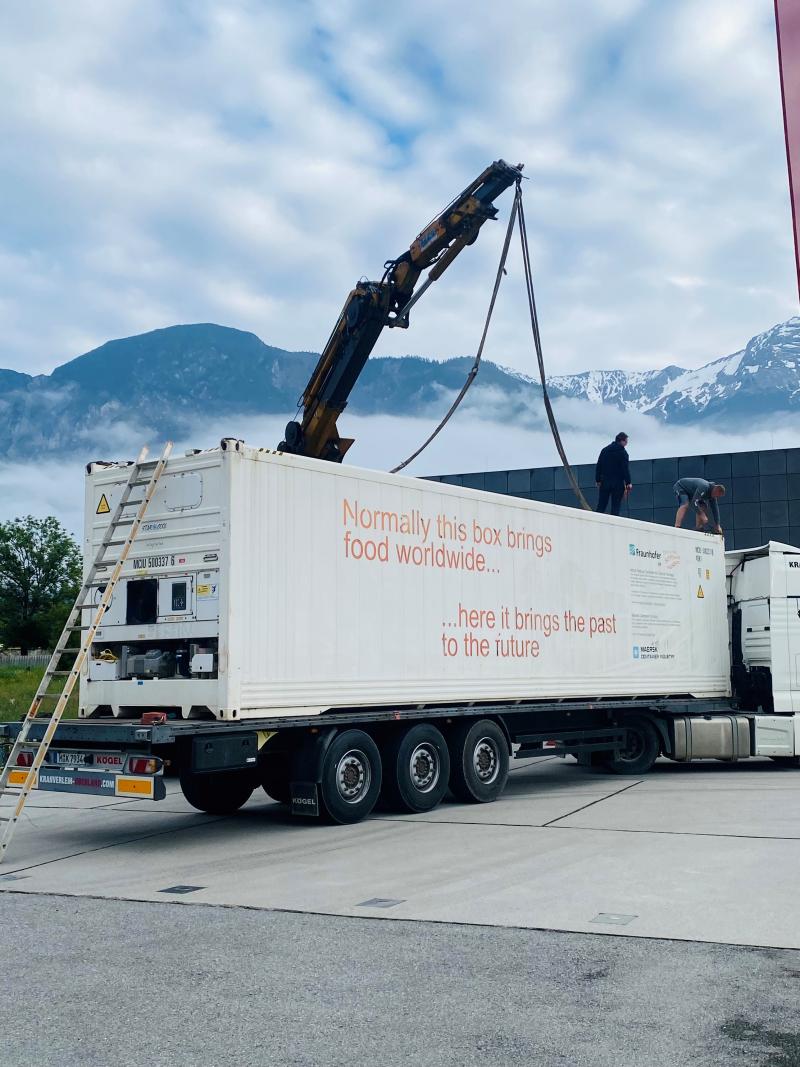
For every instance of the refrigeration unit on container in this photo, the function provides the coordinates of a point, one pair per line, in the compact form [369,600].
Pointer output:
[268,585]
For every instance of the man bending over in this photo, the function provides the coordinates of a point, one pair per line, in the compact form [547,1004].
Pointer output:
[702,496]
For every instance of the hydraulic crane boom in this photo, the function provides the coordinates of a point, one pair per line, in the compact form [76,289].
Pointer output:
[373,305]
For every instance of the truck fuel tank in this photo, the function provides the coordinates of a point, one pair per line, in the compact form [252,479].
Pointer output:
[725,737]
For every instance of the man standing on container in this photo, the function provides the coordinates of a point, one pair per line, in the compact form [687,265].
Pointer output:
[612,474]
[702,496]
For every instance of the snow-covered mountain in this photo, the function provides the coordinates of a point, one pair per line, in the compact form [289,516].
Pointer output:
[166,382]
[761,379]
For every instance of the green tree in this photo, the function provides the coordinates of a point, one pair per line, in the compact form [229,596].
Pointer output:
[40,573]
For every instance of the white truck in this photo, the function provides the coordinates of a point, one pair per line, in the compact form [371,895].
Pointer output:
[345,637]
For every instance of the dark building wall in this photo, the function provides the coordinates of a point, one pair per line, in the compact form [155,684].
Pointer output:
[762,502]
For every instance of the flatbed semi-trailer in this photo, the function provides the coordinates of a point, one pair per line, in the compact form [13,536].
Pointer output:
[336,767]
[256,639]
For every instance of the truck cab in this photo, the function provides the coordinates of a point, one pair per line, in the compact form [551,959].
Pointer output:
[764,612]
[764,615]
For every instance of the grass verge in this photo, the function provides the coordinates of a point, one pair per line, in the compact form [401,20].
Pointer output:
[17,686]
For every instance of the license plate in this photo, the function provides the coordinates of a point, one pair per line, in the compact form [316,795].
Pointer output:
[70,759]
[107,761]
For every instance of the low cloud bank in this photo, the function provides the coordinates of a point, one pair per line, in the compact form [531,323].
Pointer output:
[478,438]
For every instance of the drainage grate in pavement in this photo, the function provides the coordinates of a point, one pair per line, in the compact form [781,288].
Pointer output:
[611,919]
[379,902]
[182,889]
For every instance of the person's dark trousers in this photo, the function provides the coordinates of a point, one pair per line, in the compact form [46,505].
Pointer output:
[614,492]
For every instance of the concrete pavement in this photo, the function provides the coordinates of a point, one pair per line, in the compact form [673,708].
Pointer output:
[705,852]
[108,983]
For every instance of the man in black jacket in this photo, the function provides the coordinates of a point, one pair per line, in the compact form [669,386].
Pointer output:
[613,474]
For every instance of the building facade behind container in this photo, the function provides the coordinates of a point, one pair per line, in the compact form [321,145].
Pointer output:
[762,502]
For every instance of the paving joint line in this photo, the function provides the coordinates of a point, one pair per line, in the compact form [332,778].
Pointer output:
[66,808]
[714,791]
[532,767]
[400,819]
[591,803]
[176,902]
[673,833]
[113,844]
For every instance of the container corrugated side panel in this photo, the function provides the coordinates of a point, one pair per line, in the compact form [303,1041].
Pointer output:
[316,628]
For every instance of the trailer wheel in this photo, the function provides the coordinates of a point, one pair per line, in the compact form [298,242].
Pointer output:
[351,777]
[641,749]
[221,793]
[275,770]
[416,769]
[478,761]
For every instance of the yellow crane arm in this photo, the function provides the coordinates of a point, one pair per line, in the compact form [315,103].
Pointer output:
[373,305]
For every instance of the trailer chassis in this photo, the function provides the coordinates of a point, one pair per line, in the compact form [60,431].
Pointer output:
[407,757]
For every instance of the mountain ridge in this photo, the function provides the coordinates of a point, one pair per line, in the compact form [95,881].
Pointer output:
[167,379]
[725,385]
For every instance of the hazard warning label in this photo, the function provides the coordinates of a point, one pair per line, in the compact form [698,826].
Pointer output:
[103,507]
[700,594]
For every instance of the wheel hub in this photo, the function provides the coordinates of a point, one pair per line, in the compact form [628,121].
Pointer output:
[424,767]
[634,746]
[485,760]
[353,776]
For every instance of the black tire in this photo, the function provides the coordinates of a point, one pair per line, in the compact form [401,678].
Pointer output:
[221,793]
[641,750]
[275,773]
[416,769]
[786,761]
[351,777]
[478,761]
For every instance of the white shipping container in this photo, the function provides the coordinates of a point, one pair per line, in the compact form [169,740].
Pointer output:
[307,586]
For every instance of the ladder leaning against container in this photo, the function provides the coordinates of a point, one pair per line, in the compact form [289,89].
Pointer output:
[18,780]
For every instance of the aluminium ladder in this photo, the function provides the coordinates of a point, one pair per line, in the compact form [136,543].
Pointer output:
[142,475]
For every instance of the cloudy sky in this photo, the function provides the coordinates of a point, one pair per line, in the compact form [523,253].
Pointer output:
[245,161]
